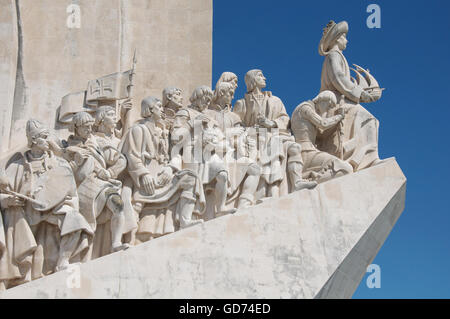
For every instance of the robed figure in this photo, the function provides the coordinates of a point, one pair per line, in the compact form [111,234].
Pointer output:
[165,196]
[356,139]
[45,232]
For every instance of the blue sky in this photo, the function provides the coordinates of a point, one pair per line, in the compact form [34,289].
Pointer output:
[410,56]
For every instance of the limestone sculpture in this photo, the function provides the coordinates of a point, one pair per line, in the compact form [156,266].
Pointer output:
[308,119]
[97,170]
[172,102]
[164,194]
[278,152]
[113,183]
[46,231]
[190,126]
[356,140]
[242,167]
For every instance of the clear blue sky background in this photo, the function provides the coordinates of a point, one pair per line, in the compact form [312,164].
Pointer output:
[410,57]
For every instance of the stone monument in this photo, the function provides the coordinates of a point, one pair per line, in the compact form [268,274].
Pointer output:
[194,200]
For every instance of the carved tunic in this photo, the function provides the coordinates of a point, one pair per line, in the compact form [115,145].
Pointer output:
[272,157]
[225,118]
[269,106]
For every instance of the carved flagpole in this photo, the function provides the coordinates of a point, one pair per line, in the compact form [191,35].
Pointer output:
[340,129]
[126,123]
[133,68]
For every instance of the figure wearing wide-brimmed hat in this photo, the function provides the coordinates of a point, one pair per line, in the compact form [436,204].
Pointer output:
[356,138]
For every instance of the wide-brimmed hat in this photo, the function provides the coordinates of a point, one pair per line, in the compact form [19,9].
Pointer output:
[331,33]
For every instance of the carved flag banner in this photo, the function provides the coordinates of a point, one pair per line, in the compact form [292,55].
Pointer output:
[110,87]
[71,104]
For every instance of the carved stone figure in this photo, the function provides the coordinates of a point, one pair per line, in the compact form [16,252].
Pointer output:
[228,77]
[172,102]
[308,119]
[113,184]
[278,151]
[242,167]
[59,233]
[356,141]
[17,243]
[164,194]
[199,154]
[97,164]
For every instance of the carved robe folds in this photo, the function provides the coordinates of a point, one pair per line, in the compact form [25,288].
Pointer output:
[241,160]
[273,144]
[357,141]
[158,211]
[33,236]
[94,191]
[191,125]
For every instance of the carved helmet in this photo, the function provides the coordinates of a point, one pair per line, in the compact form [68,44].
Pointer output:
[33,129]
[331,33]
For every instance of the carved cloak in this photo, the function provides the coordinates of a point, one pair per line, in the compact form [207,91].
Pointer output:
[33,236]
[357,140]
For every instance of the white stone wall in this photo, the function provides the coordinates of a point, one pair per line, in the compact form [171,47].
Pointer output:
[41,59]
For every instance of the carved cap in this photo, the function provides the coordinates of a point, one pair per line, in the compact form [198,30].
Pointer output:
[331,33]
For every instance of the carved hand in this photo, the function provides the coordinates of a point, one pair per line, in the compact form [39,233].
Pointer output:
[104,174]
[147,183]
[341,112]
[126,105]
[80,157]
[263,121]
[270,123]
[260,120]
[164,176]
[55,147]
[239,130]
[12,201]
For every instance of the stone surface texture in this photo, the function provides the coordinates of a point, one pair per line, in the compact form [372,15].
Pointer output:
[308,244]
[126,175]
[42,60]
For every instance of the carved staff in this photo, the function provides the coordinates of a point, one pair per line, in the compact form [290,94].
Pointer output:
[126,122]
[340,128]
[132,73]
[4,187]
